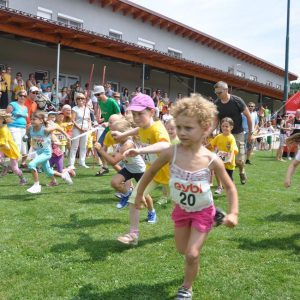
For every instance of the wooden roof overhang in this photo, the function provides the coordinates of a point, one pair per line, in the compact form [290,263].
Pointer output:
[51,32]
[163,22]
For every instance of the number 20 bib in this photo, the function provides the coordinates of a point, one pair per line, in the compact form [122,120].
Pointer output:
[191,196]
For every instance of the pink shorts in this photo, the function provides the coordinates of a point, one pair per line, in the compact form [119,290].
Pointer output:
[202,220]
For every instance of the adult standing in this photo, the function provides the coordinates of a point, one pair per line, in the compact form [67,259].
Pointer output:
[30,82]
[7,77]
[31,105]
[17,127]
[232,106]
[106,107]
[254,118]
[82,123]
[296,122]
[3,91]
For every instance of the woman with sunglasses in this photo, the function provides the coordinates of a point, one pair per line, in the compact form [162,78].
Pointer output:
[82,123]
[19,113]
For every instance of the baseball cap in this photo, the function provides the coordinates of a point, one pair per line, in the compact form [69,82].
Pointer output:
[98,89]
[141,102]
[33,89]
[66,106]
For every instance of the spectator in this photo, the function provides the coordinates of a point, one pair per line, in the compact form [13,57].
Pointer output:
[45,84]
[18,87]
[117,97]
[8,79]
[82,123]
[63,96]
[232,106]
[17,127]
[3,91]
[125,95]
[30,81]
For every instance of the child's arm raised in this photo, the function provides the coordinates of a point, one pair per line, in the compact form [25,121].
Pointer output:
[154,148]
[164,158]
[117,134]
[116,157]
[58,128]
[231,218]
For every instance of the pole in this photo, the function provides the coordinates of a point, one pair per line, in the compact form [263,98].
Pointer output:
[195,84]
[57,70]
[286,72]
[143,78]
[103,75]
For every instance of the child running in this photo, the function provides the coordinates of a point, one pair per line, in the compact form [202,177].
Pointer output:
[190,165]
[41,144]
[226,149]
[154,139]
[9,148]
[290,141]
[133,167]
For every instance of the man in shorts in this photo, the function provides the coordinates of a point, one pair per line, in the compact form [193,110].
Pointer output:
[233,106]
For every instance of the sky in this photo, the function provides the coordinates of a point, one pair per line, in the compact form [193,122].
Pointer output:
[257,26]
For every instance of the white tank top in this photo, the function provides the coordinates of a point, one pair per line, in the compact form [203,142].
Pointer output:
[190,190]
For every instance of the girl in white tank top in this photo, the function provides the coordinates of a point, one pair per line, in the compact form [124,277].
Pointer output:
[190,164]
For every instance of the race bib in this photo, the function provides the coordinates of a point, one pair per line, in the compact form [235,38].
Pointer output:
[296,126]
[224,156]
[191,196]
[150,158]
[39,143]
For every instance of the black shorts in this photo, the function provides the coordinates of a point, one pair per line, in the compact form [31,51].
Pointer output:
[128,175]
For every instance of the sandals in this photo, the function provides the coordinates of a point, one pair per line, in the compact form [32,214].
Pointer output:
[128,239]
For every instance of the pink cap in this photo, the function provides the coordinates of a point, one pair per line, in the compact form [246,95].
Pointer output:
[141,102]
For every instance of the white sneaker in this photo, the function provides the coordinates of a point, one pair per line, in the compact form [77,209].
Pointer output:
[219,191]
[35,189]
[84,166]
[289,158]
[67,178]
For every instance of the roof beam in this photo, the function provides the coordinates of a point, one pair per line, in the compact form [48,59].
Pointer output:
[156,21]
[139,14]
[106,2]
[119,6]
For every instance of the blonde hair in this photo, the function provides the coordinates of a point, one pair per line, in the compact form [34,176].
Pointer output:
[122,125]
[170,122]
[196,106]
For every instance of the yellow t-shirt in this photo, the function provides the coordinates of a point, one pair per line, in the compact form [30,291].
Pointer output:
[7,78]
[226,144]
[7,145]
[109,140]
[154,134]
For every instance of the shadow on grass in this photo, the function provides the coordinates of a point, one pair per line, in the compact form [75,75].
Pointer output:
[76,223]
[280,217]
[296,200]
[23,197]
[132,292]
[288,244]
[98,250]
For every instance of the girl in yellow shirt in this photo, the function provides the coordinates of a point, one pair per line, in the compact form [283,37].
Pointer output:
[8,148]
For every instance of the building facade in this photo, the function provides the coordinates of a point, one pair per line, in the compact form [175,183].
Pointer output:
[130,41]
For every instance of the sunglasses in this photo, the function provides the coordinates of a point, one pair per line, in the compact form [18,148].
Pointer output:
[80,98]
[218,93]
[251,106]
[22,96]
[97,95]
[34,93]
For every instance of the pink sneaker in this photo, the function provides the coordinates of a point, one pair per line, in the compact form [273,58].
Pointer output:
[52,183]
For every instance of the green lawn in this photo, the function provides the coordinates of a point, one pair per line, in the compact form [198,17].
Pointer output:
[61,244]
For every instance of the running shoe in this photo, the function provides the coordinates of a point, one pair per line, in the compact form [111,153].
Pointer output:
[67,178]
[184,294]
[152,217]
[35,189]
[128,239]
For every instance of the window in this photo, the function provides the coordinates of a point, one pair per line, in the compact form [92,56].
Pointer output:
[114,86]
[70,21]
[44,13]
[230,70]
[253,78]
[41,74]
[146,43]
[4,3]
[278,86]
[67,80]
[240,73]
[115,34]
[269,83]
[174,52]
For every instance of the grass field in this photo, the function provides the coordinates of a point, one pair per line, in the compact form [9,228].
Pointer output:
[61,244]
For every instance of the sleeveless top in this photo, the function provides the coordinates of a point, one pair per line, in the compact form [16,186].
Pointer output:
[40,142]
[190,190]
[296,126]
